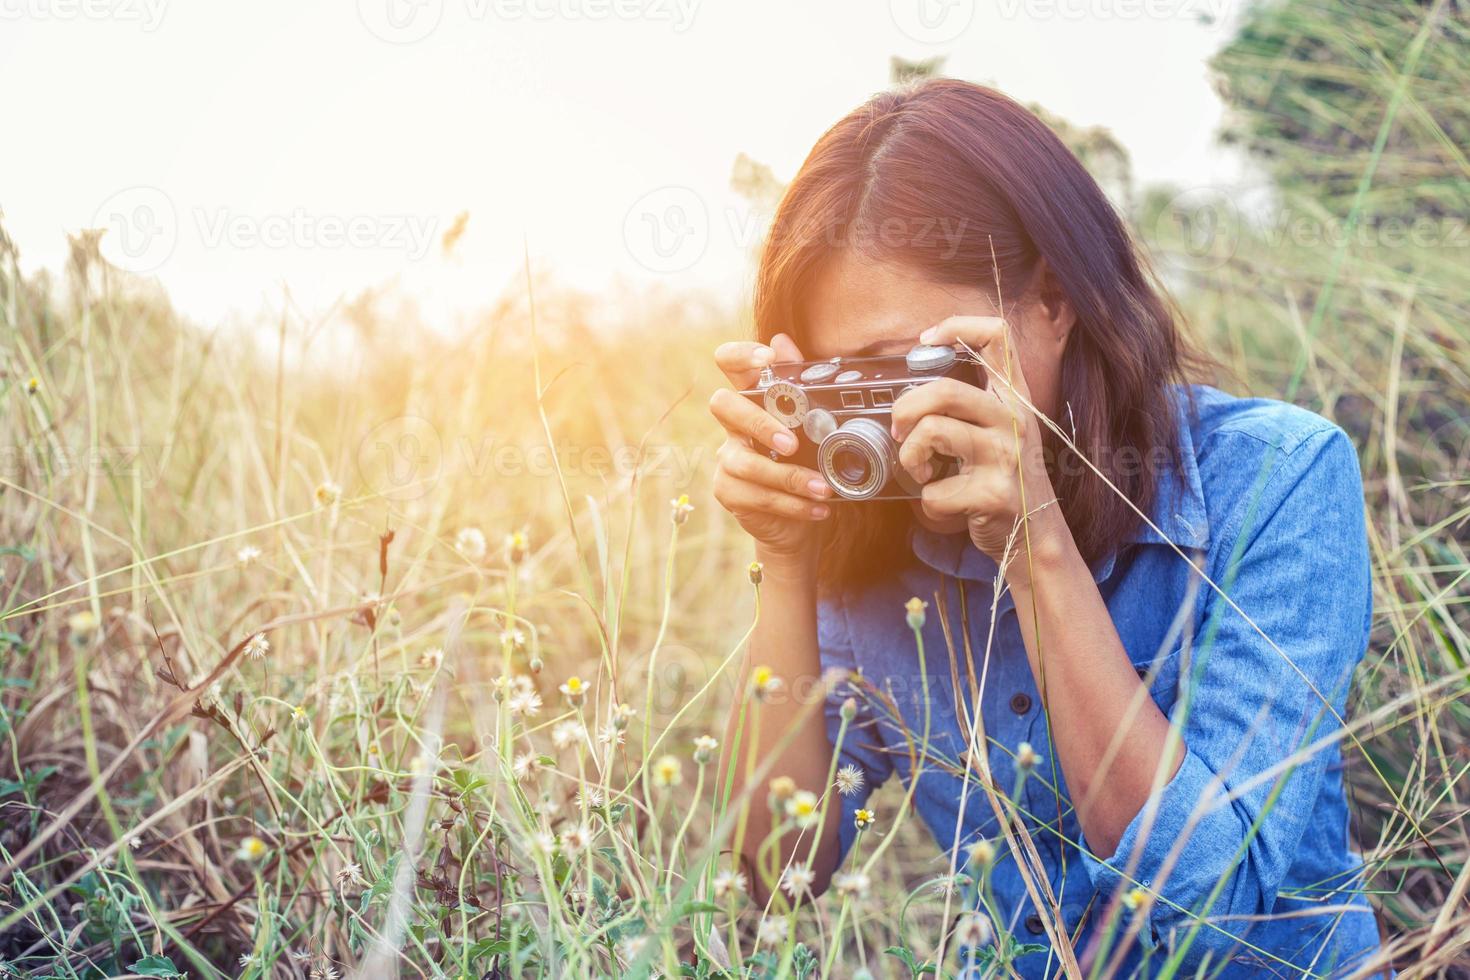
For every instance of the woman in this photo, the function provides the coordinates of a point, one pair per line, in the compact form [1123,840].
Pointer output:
[1145,600]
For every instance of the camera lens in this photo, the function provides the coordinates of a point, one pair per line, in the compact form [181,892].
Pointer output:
[858,458]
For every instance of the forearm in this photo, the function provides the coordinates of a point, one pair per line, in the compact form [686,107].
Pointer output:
[1111,739]
[781,729]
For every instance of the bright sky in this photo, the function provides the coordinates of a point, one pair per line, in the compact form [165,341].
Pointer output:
[234,147]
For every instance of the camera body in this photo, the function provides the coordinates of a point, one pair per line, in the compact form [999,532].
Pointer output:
[840,411]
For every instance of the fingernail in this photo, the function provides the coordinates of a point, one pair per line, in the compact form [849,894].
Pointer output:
[762,356]
[818,487]
[785,442]
[927,337]
[820,511]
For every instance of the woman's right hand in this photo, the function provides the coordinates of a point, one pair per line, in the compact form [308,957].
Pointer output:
[778,504]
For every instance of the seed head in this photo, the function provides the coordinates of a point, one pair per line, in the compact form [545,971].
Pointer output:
[470,542]
[797,880]
[728,883]
[849,780]
[1026,757]
[757,572]
[853,884]
[982,853]
[257,647]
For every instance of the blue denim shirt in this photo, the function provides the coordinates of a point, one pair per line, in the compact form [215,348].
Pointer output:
[1269,503]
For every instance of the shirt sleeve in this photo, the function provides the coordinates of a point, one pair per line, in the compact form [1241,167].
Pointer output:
[861,745]
[1219,837]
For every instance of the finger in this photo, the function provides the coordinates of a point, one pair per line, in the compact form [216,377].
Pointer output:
[785,348]
[742,360]
[742,417]
[949,397]
[740,461]
[989,336]
[939,435]
[963,495]
[743,498]
[974,331]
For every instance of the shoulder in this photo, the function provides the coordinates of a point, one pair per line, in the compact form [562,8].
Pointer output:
[1253,455]
[1251,425]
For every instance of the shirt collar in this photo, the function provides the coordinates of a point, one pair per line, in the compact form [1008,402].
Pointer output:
[1178,512]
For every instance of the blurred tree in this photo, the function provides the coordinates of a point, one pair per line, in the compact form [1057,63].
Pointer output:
[1308,82]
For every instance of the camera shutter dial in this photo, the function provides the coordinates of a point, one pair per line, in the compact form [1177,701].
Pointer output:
[787,402]
[928,359]
[818,373]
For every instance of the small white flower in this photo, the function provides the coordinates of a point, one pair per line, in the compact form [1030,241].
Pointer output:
[247,555]
[797,880]
[350,874]
[545,843]
[257,647]
[974,929]
[802,807]
[576,838]
[704,749]
[328,493]
[567,733]
[609,735]
[431,658]
[729,882]
[849,780]
[772,930]
[471,543]
[135,842]
[667,771]
[1026,757]
[854,884]
[526,765]
[525,704]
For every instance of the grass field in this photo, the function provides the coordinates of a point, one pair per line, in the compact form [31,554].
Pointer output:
[349,647]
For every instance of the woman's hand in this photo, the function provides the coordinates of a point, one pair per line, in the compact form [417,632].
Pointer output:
[777,503]
[1002,472]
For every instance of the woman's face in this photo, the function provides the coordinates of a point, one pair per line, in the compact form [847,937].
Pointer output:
[858,306]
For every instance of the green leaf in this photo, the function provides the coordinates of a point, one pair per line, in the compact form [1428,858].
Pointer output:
[155,966]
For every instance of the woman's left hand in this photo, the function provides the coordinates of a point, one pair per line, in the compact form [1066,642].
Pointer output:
[1002,471]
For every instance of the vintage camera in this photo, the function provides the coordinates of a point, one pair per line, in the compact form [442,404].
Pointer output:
[840,411]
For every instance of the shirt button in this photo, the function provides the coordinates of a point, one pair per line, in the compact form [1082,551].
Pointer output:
[1033,924]
[1020,702]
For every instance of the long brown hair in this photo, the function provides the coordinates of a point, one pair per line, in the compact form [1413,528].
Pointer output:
[1014,198]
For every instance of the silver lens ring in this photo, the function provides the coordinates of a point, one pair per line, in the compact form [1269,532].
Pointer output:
[787,402]
[858,459]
